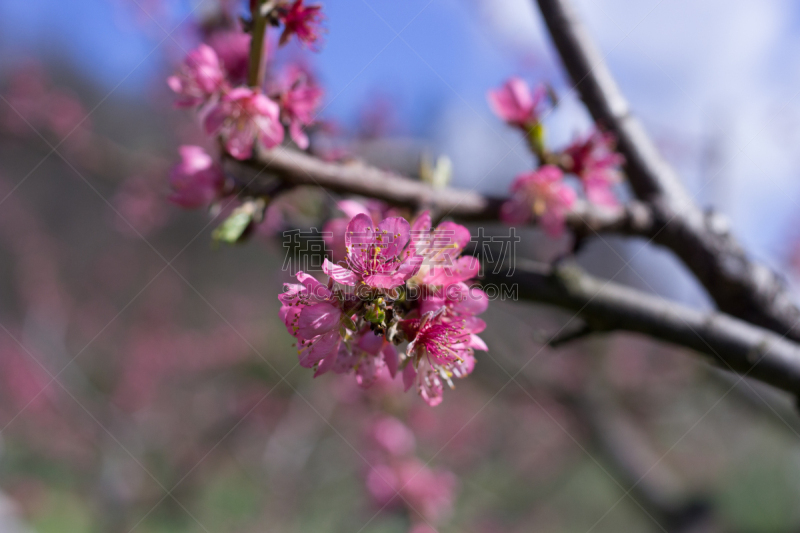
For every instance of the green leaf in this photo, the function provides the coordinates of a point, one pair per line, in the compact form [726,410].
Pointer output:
[232,228]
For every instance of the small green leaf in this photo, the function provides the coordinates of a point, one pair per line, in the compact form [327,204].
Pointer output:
[233,227]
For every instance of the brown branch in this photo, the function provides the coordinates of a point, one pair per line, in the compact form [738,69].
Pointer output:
[732,344]
[739,286]
[261,175]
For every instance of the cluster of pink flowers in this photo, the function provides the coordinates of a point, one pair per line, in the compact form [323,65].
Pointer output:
[544,194]
[397,478]
[210,81]
[397,283]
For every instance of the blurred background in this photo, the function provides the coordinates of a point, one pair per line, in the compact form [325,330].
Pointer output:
[147,384]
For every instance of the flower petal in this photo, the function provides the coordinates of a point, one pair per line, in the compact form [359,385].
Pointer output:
[339,273]
[317,319]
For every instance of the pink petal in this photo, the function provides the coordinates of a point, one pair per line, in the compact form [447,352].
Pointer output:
[318,319]
[394,233]
[323,346]
[390,357]
[216,118]
[385,281]
[409,373]
[472,301]
[452,235]
[371,343]
[358,234]
[352,208]
[477,343]
[298,136]
[339,273]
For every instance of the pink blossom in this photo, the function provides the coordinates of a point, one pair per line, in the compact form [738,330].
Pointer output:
[242,115]
[200,77]
[514,102]
[34,103]
[197,180]
[594,160]
[441,349]
[301,20]
[427,493]
[393,437]
[298,97]
[440,249]
[543,194]
[233,50]
[376,255]
[459,299]
[367,355]
[313,315]
[334,229]
[443,342]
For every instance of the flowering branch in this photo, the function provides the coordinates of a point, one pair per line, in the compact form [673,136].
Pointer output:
[256,176]
[740,286]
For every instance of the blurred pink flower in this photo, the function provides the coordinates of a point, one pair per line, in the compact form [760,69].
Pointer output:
[516,104]
[197,180]
[301,20]
[392,436]
[140,207]
[199,78]
[312,314]
[34,105]
[427,493]
[233,50]
[367,356]
[242,115]
[543,194]
[298,97]
[594,160]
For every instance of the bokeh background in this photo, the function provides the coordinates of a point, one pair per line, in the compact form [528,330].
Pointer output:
[146,383]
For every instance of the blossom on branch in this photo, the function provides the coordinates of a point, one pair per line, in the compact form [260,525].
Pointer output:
[298,98]
[541,194]
[384,298]
[595,162]
[397,478]
[302,20]
[313,315]
[197,180]
[377,256]
[199,79]
[516,104]
[241,116]
[233,50]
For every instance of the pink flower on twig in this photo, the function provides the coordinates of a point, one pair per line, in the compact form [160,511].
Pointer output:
[200,78]
[377,256]
[197,180]
[541,194]
[516,104]
[241,116]
[298,97]
[301,20]
[595,162]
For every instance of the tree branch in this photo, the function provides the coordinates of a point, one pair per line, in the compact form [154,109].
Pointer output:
[739,286]
[260,175]
[732,344]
